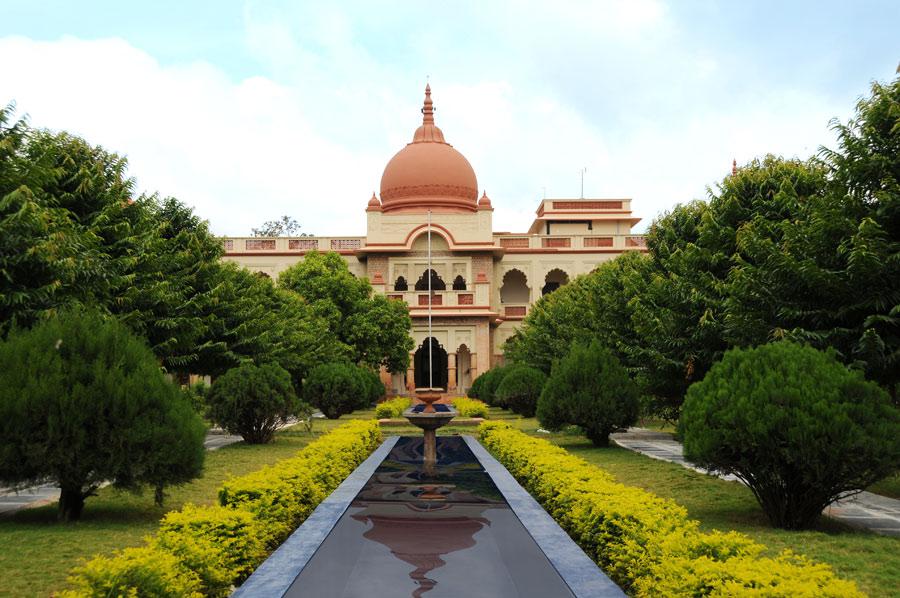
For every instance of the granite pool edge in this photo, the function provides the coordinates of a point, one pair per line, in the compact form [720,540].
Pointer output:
[576,568]
[276,574]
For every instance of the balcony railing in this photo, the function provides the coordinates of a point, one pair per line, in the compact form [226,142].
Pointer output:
[563,242]
[287,244]
[438,298]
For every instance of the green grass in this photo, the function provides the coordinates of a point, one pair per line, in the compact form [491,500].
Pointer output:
[890,486]
[37,553]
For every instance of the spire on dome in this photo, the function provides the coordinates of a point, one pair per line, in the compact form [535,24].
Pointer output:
[428,131]
[428,107]
[734,167]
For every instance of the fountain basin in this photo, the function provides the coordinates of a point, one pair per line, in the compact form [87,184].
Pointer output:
[424,420]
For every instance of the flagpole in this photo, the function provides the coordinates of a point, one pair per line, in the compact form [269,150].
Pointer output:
[430,339]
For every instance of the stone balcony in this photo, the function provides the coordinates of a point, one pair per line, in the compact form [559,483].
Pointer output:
[299,245]
[513,243]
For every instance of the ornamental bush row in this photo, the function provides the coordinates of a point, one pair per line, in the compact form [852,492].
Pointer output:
[392,408]
[470,407]
[647,544]
[207,550]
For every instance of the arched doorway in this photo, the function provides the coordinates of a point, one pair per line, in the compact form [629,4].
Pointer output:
[555,278]
[463,369]
[439,360]
[515,287]
[437,283]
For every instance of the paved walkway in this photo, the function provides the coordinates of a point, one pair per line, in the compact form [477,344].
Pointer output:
[866,510]
[12,501]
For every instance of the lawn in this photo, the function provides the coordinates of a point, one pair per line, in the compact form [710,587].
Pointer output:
[37,553]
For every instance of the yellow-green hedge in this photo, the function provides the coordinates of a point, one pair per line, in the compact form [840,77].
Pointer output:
[392,408]
[470,407]
[645,543]
[205,551]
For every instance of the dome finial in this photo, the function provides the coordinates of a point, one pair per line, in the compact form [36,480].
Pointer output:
[428,107]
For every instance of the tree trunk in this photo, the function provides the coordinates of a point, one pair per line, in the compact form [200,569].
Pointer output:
[71,503]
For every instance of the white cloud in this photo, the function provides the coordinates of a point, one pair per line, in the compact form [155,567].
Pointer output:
[610,86]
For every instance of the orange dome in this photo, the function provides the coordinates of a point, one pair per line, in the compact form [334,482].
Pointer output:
[429,173]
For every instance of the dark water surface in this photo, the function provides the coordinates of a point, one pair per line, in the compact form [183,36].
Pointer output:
[441,533]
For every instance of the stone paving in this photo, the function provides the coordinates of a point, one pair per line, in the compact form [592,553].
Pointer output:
[866,510]
[12,501]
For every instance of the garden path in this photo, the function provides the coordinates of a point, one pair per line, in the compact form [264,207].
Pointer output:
[12,501]
[874,512]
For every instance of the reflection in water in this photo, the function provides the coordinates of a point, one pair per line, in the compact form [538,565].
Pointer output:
[452,526]
[422,516]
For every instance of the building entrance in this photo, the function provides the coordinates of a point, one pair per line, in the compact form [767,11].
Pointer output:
[439,362]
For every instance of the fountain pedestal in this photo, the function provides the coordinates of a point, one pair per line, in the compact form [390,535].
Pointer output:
[429,420]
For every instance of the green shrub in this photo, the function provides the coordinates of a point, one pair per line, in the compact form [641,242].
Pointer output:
[374,386]
[145,571]
[485,385]
[588,387]
[83,401]
[645,543]
[336,389]
[253,401]
[520,389]
[796,426]
[393,408]
[470,407]
[222,546]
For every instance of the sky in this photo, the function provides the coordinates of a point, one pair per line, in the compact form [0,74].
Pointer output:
[249,110]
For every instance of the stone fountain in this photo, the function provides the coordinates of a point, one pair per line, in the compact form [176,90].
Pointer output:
[429,419]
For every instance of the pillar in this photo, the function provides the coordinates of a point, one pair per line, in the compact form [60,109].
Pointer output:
[473,366]
[451,373]
[411,373]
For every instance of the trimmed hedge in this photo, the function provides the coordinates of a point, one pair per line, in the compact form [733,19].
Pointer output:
[206,551]
[647,544]
[392,408]
[470,407]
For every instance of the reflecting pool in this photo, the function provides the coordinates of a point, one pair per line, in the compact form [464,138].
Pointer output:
[411,532]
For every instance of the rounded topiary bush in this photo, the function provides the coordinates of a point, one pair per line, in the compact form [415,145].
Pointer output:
[795,425]
[588,387]
[336,389]
[520,389]
[253,401]
[84,401]
[485,385]
[374,386]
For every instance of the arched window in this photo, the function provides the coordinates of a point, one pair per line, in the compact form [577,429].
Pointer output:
[459,283]
[437,283]
[555,278]
[515,288]
[400,284]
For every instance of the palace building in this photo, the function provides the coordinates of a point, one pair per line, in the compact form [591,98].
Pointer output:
[483,283]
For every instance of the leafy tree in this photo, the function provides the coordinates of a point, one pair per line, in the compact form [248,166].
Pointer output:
[283,227]
[375,329]
[799,428]
[337,388]
[253,401]
[589,388]
[39,244]
[374,387]
[83,401]
[804,276]
[520,388]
